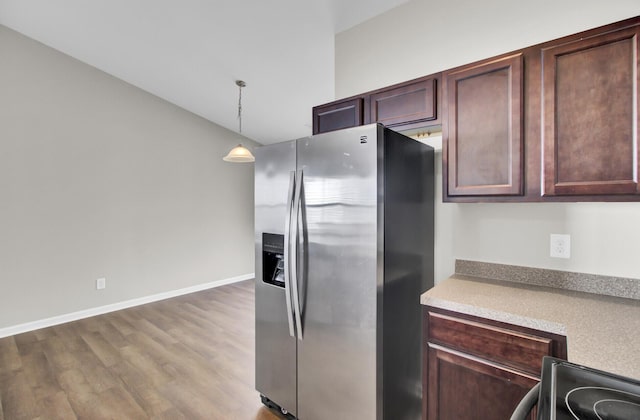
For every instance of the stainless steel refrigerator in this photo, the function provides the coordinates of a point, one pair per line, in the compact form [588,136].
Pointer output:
[344,248]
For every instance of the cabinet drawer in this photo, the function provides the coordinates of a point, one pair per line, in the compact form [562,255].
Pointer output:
[502,345]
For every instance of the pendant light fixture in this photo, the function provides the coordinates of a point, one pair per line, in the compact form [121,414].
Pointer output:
[239,153]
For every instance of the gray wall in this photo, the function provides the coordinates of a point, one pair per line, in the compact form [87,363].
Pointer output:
[100,179]
[422,37]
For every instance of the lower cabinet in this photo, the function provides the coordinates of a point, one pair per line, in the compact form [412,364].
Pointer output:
[475,368]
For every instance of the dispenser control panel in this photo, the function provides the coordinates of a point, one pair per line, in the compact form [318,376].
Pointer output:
[273,259]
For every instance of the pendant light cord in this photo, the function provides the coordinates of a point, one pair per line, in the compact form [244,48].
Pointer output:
[240,109]
[240,84]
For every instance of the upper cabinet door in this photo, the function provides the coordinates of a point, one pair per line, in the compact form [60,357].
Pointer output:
[590,115]
[482,129]
[337,115]
[415,102]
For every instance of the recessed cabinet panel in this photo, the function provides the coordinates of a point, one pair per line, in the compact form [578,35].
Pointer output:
[476,136]
[590,111]
[338,115]
[405,104]
[464,387]
[482,134]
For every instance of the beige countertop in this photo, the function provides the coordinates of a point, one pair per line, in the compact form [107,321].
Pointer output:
[602,332]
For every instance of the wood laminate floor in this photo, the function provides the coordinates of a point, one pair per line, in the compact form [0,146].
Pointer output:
[189,357]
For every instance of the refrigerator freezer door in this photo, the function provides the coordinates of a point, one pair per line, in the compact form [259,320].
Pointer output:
[339,279]
[275,347]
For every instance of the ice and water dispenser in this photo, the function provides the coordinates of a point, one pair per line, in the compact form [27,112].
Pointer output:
[273,259]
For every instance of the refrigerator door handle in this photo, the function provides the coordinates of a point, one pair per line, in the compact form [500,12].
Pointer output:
[287,251]
[295,253]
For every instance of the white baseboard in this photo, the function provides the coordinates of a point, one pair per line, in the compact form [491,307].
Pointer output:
[86,313]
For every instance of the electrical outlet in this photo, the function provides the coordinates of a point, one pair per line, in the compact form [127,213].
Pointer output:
[101,283]
[560,246]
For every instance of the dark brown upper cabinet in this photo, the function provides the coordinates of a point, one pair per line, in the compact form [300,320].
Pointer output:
[590,115]
[405,106]
[557,121]
[411,103]
[482,129]
[576,136]
[338,115]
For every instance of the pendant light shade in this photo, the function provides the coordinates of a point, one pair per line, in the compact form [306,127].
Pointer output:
[239,154]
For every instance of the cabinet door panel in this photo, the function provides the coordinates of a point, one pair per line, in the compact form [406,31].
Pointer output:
[483,131]
[590,113]
[407,104]
[465,387]
[338,115]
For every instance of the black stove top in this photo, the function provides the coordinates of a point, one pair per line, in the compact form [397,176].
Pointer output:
[573,392]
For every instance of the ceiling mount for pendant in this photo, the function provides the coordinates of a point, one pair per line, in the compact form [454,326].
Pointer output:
[239,154]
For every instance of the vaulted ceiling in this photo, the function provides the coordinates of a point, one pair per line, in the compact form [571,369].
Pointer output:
[191,52]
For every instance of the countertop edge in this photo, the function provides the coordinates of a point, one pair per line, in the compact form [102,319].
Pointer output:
[506,317]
